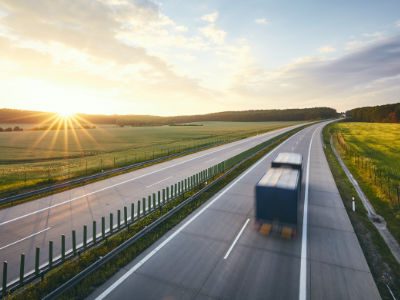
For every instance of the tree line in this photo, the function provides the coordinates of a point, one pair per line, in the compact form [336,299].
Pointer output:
[10,129]
[389,113]
[304,114]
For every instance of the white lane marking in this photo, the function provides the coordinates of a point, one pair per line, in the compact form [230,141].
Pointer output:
[25,238]
[158,182]
[236,239]
[303,263]
[128,180]
[173,235]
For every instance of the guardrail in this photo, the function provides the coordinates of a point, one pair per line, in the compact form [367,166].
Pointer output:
[143,208]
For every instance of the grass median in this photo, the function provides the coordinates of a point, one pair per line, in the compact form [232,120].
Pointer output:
[63,273]
[384,267]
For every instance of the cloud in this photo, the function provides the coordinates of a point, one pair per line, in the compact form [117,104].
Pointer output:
[326,49]
[211,18]
[262,21]
[215,34]
[368,75]
[365,40]
[90,44]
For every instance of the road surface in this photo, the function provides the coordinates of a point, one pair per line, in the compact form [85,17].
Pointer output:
[34,224]
[216,253]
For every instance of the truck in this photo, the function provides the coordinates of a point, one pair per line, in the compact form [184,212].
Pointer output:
[277,195]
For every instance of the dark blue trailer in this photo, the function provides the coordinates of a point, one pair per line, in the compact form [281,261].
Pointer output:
[278,192]
[277,196]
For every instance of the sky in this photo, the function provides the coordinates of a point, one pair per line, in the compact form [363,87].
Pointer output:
[191,57]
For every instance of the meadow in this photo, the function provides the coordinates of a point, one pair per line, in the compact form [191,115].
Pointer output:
[372,153]
[30,158]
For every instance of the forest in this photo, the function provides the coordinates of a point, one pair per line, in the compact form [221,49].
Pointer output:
[389,113]
[316,113]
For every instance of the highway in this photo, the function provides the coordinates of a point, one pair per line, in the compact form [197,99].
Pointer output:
[33,224]
[216,253]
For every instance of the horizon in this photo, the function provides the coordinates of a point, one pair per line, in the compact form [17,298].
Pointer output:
[176,58]
[162,116]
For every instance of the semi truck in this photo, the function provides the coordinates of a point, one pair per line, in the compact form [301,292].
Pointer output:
[278,194]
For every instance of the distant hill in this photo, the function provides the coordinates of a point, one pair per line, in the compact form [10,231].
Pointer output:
[315,113]
[389,113]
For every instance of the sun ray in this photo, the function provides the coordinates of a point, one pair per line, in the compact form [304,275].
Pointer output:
[46,131]
[84,130]
[66,145]
[55,136]
[74,134]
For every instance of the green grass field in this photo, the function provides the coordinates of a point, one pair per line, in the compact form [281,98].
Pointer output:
[30,158]
[377,170]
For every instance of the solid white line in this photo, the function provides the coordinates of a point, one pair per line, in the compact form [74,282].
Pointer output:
[158,182]
[303,262]
[25,238]
[236,239]
[173,235]
[129,180]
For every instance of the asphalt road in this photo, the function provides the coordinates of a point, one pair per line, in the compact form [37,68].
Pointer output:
[217,254]
[34,224]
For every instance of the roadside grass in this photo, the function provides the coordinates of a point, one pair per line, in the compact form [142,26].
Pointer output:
[383,266]
[32,159]
[61,274]
[377,144]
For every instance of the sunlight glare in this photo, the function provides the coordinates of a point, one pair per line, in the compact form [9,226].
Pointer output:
[66,114]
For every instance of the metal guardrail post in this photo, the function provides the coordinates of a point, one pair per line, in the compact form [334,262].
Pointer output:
[50,254]
[118,218]
[144,206]
[132,212]
[37,261]
[159,198]
[111,223]
[22,269]
[126,216]
[154,201]
[103,228]
[163,196]
[74,242]
[172,192]
[62,247]
[148,203]
[179,188]
[167,193]
[84,236]
[4,290]
[138,209]
[94,232]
